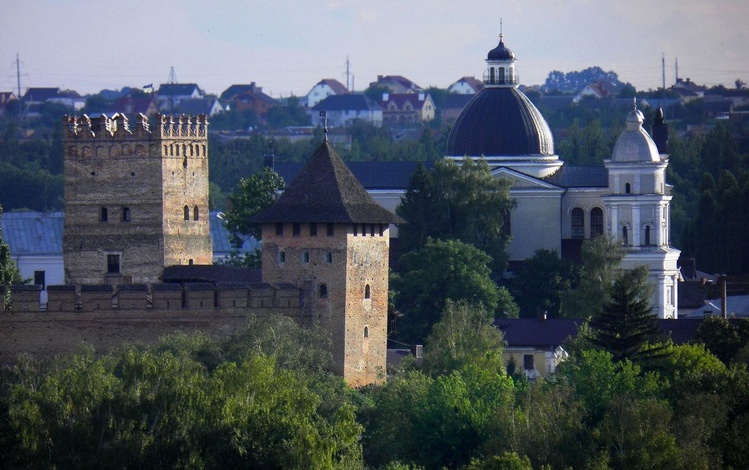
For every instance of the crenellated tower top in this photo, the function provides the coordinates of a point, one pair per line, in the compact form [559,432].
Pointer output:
[167,126]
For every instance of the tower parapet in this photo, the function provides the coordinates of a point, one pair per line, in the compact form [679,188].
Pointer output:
[136,198]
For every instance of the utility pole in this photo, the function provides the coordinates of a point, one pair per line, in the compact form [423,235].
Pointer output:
[18,74]
[663,73]
[676,66]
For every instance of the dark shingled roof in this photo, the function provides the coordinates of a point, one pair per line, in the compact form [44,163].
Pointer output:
[500,121]
[580,177]
[372,175]
[326,191]
[537,332]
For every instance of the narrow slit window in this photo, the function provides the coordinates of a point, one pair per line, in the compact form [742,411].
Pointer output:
[186,210]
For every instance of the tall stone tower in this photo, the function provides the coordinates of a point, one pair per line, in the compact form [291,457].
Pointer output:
[326,235]
[637,211]
[136,200]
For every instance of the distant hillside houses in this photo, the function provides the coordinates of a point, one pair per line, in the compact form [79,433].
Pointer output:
[343,110]
[397,84]
[36,96]
[324,88]
[466,86]
[171,95]
[407,108]
[244,97]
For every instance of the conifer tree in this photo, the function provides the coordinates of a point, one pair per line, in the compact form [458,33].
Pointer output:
[626,322]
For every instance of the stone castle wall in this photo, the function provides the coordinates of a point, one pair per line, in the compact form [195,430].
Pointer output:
[106,317]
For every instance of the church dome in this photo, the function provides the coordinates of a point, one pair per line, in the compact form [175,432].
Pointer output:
[500,122]
[500,52]
[634,144]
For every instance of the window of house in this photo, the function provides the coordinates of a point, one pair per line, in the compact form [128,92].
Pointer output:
[578,223]
[367,292]
[103,214]
[186,210]
[296,229]
[323,291]
[126,214]
[195,213]
[528,362]
[279,229]
[313,229]
[331,230]
[113,264]
[596,222]
[40,279]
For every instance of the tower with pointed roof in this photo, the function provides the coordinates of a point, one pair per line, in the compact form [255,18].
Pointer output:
[326,235]
[637,211]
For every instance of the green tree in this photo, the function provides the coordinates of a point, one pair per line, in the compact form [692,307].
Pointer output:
[430,276]
[626,322]
[601,258]
[9,273]
[542,283]
[465,336]
[250,196]
[457,202]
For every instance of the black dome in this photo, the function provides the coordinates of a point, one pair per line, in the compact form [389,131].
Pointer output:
[500,122]
[500,52]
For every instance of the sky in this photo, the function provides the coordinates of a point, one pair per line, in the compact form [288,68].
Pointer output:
[286,46]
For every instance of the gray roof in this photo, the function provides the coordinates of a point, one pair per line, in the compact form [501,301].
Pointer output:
[33,233]
[348,102]
[580,177]
[326,191]
[535,332]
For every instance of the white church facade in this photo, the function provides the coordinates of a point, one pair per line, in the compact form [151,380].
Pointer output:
[558,206]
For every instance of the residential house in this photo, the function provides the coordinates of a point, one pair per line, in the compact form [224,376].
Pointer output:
[207,106]
[324,88]
[396,84]
[453,106]
[688,90]
[171,95]
[6,98]
[68,98]
[131,106]
[243,97]
[535,345]
[466,86]
[407,108]
[343,110]
[598,90]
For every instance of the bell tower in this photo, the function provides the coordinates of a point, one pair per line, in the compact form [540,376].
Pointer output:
[637,209]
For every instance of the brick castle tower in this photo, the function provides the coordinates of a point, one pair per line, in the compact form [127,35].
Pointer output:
[326,235]
[136,200]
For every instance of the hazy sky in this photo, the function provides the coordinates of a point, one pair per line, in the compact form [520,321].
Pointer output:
[286,46]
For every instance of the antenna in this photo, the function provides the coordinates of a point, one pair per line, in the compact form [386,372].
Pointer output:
[172,76]
[676,64]
[348,74]
[663,73]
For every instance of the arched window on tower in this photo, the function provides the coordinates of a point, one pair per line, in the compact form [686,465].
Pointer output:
[596,222]
[578,223]
[501,75]
[627,188]
[647,236]
[103,214]
[323,291]
[367,292]
[187,212]
[625,235]
[195,213]
[491,75]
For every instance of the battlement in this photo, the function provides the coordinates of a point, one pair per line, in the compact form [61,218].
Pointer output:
[180,127]
[188,296]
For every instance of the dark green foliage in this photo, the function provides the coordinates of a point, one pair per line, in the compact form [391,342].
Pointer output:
[250,196]
[542,283]
[601,258]
[577,80]
[626,322]
[290,114]
[723,338]
[9,273]
[430,276]
[457,202]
